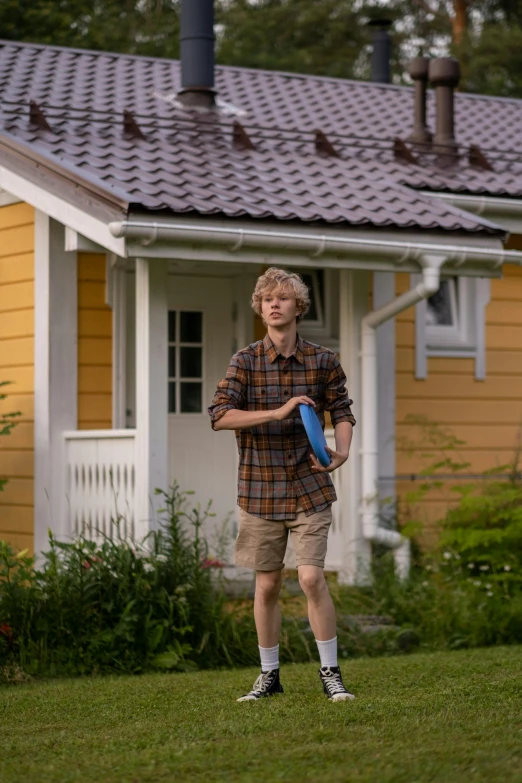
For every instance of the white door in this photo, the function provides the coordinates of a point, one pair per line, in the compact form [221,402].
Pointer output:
[201,342]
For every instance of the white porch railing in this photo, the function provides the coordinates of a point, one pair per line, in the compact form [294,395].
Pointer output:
[100,483]
[334,555]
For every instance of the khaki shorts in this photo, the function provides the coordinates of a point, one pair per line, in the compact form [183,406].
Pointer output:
[261,543]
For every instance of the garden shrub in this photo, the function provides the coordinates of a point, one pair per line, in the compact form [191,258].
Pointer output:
[468,592]
[128,608]
[122,607]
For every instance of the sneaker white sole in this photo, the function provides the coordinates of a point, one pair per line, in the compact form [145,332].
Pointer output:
[343,697]
[248,698]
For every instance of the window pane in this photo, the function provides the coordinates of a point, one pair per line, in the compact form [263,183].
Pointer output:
[190,361]
[191,327]
[172,397]
[191,398]
[312,312]
[439,311]
[172,361]
[172,326]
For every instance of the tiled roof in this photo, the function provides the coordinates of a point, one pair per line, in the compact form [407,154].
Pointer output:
[187,163]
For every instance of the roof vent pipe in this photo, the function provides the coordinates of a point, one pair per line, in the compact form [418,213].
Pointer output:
[197,53]
[419,73]
[444,75]
[381,52]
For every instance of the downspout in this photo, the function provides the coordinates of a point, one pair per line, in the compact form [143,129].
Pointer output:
[369,381]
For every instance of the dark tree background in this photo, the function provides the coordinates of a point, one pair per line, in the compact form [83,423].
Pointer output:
[325,37]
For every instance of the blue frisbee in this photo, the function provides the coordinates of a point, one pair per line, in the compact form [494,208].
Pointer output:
[315,434]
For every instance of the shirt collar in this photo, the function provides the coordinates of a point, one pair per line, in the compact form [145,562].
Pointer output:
[272,352]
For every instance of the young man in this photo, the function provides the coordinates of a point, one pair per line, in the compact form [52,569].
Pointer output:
[282,487]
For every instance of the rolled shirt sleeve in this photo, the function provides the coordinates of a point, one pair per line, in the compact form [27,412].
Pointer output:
[337,401]
[231,390]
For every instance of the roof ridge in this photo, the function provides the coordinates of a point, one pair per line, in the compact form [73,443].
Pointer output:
[288,74]
[242,68]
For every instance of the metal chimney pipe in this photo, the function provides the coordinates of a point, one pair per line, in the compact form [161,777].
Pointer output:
[444,75]
[381,52]
[419,73]
[197,53]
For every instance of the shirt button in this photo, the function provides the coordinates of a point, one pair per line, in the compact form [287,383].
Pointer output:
[286,391]
[289,456]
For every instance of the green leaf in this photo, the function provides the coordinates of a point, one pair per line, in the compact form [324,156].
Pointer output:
[166,660]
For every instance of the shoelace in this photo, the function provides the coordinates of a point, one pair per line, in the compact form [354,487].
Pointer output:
[333,682]
[262,683]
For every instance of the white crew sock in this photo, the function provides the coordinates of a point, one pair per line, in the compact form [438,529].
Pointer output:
[269,658]
[328,652]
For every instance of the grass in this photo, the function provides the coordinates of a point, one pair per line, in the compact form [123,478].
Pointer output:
[445,717]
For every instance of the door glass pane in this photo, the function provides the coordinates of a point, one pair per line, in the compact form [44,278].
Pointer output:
[440,311]
[191,398]
[172,361]
[172,397]
[190,361]
[191,327]
[172,326]
[315,283]
[312,312]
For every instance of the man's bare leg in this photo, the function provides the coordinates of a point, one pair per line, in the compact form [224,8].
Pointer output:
[267,613]
[321,611]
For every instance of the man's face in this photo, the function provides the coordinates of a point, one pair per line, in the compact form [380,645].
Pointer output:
[278,308]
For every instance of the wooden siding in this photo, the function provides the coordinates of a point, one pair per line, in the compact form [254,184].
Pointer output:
[17,366]
[486,415]
[94,345]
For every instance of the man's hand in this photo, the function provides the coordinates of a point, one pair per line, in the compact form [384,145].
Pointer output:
[285,410]
[338,459]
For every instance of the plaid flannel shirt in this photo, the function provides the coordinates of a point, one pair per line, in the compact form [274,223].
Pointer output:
[274,459]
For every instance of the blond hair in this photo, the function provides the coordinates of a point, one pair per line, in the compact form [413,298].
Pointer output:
[277,279]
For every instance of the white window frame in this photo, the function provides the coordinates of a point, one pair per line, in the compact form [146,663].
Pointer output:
[466,338]
[178,344]
[324,329]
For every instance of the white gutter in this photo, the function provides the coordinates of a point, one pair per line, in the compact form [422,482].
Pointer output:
[480,204]
[369,383]
[314,244]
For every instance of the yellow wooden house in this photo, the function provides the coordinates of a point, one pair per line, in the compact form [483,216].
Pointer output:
[135,216]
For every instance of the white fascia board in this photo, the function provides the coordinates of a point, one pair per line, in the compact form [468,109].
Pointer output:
[6,199]
[65,213]
[337,248]
[208,253]
[75,242]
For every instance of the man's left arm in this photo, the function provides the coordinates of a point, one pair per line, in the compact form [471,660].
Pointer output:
[338,403]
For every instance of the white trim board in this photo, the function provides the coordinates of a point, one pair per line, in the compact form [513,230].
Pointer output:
[472,343]
[60,210]
[6,199]
[55,373]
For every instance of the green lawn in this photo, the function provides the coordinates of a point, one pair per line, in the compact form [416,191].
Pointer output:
[445,717]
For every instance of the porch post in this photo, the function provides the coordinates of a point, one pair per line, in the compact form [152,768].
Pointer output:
[55,373]
[353,305]
[151,390]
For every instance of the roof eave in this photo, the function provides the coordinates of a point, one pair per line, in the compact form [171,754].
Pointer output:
[249,242]
[64,181]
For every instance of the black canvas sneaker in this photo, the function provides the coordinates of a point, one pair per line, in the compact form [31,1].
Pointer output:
[267,684]
[333,684]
